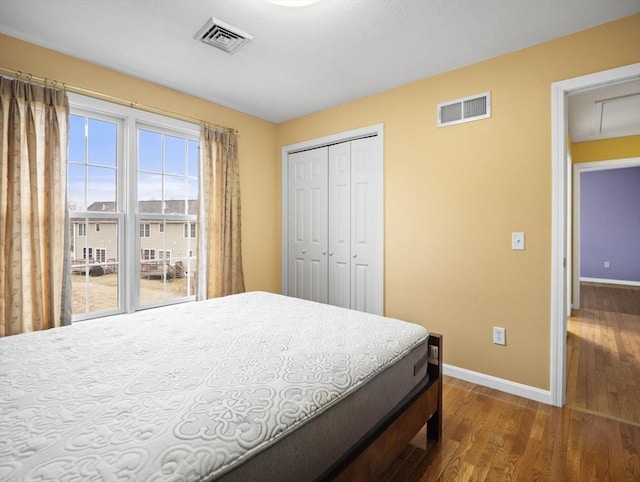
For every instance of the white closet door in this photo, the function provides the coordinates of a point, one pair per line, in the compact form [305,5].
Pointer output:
[340,225]
[367,236]
[307,221]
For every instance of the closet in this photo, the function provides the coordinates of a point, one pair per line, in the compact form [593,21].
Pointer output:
[334,224]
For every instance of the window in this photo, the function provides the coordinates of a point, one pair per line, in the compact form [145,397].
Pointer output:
[145,230]
[129,171]
[189,230]
[101,255]
[148,254]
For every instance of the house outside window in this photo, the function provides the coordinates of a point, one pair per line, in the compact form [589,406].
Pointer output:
[82,229]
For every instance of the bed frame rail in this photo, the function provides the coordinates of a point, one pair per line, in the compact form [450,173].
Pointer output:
[378,450]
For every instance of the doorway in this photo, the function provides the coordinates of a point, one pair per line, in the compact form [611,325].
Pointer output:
[561,236]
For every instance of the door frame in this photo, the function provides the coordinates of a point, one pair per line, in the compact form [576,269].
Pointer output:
[578,169]
[368,131]
[560,228]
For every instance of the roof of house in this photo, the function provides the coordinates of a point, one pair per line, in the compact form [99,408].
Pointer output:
[172,206]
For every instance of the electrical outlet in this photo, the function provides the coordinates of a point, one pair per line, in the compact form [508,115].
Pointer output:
[499,335]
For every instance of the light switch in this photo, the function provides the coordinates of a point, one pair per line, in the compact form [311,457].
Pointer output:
[517,241]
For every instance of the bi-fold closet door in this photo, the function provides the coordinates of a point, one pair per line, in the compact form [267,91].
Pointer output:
[335,224]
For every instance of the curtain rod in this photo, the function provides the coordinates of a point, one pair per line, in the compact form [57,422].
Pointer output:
[118,100]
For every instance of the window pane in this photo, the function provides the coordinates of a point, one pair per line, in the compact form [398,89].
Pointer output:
[101,189]
[94,265]
[194,154]
[174,152]
[76,138]
[102,142]
[150,193]
[175,192]
[192,192]
[149,151]
[76,187]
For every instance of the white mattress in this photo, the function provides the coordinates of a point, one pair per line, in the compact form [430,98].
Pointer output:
[185,392]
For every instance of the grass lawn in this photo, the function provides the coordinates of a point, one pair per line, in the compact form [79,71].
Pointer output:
[103,291]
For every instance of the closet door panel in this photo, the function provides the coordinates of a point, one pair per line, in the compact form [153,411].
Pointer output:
[366,225]
[340,225]
[307,219]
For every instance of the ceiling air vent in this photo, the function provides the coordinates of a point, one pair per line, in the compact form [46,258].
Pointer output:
[467,109]
[222,35]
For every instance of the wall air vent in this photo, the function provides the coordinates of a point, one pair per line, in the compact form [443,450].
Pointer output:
[467,109]
[222,35]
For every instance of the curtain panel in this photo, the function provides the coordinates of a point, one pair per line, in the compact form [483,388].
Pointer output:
[220,249]
[34,279]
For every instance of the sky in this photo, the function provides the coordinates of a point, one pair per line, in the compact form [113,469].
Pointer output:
[167,165]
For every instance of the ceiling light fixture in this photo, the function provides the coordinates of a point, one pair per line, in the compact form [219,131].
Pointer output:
[292,3]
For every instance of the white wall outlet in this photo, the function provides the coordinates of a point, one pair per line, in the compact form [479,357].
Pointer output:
[607,264]
[499,335]
[517,241]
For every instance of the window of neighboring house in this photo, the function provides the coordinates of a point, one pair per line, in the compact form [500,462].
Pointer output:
[101,255]
[129,169]
[189,230]
[165,255]
[145,230]
[147,254]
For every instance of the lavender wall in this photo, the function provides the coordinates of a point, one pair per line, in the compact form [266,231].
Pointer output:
[610,224]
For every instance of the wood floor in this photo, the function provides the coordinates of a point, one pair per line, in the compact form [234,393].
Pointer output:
[603,352]
[492,436]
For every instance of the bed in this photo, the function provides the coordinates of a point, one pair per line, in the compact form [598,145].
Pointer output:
[254,386]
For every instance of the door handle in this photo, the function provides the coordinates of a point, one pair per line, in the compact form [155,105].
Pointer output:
[355,255]
[330,253]
[304,251]
[324,252]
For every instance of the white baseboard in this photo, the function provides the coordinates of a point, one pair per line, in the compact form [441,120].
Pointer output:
[610,281]
[526,391]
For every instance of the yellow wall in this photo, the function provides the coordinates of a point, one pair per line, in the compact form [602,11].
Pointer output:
[259,168]
[454,195]
[607,149]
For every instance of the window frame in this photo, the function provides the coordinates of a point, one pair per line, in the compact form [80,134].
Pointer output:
[129,120]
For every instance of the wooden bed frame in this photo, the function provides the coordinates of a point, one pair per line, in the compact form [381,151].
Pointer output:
[368,459]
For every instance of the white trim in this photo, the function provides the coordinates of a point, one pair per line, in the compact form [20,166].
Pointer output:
[559,115]
[611,281]
[578,168]
[507,386]
[373,130]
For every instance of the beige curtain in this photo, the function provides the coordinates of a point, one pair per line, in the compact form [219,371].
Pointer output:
[33,142]
[219,216]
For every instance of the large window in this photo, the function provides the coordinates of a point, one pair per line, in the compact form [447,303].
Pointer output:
[132,186]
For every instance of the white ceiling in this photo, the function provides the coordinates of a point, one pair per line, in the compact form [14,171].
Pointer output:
[302,59]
